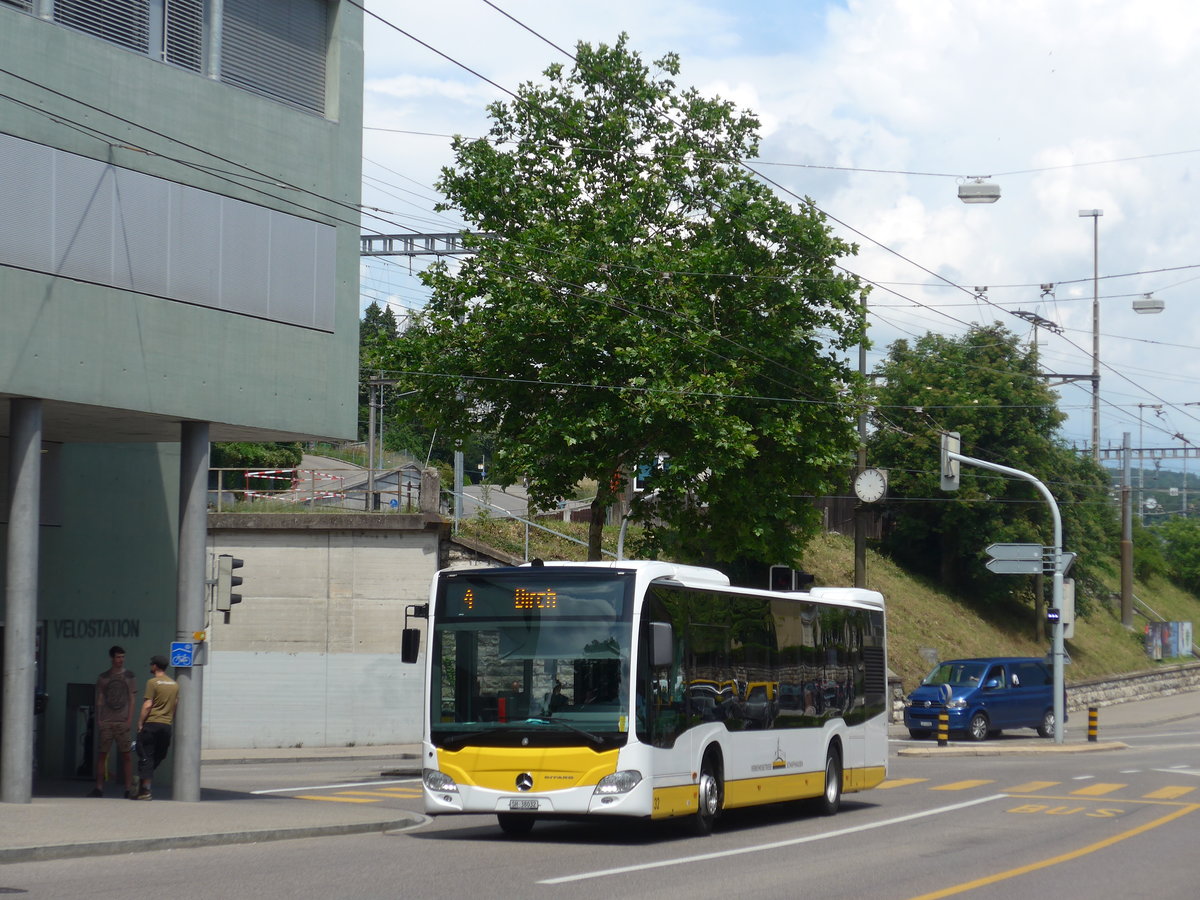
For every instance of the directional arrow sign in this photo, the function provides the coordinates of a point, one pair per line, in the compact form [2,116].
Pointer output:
[1015,566]
[1016,552]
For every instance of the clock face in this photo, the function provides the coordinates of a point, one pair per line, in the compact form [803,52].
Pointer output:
[870,485]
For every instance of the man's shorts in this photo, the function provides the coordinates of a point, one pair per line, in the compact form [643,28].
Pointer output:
[113,731]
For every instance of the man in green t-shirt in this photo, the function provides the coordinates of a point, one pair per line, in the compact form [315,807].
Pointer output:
[154,724]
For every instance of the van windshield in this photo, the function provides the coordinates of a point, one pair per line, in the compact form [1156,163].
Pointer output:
[956,673]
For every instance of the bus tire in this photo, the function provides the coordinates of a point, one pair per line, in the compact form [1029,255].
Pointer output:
[515,823]
[831,798]
[710,795]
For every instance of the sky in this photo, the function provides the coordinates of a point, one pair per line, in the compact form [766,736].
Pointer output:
[878,110]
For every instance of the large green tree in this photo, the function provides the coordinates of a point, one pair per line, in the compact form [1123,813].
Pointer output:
[987,387]
[639,294]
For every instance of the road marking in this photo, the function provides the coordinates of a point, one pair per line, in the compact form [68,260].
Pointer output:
[334,799]
[1055,860]
[1180,770]
[1099,789]
[963,785]
[330,787]
[898,782]
[741,851]
[1031,786]
[1169,793]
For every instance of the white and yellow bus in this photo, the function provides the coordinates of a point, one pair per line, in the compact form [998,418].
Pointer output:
[646,689]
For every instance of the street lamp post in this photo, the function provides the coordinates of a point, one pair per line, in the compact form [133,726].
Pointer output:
[1095,215]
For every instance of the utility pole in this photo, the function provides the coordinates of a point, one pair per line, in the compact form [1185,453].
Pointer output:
[1126,540]
[1094,215]
[860,508]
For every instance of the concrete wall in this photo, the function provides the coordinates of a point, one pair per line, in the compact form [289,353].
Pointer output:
[311,654]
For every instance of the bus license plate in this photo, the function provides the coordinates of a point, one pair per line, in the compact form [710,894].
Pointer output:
[530,803]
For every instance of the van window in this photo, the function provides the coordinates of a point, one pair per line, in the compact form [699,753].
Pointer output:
[956,673]
[1031,674]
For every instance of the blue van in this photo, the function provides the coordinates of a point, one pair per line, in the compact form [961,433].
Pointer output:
[983,697]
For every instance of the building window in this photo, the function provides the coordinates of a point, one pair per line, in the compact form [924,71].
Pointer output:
[122,22]
[276,48]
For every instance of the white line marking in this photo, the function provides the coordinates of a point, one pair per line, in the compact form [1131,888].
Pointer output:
[684,860]
[326,787]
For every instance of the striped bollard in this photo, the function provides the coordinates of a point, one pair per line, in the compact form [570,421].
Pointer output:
[1093,724]
[943,729]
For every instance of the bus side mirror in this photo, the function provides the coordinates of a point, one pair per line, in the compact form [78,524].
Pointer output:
[410,645]
[662,644]
[410,638]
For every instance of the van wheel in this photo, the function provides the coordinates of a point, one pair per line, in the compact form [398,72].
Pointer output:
[831,800]
[515,823]
[711,797]
[1046,729]
[977,730]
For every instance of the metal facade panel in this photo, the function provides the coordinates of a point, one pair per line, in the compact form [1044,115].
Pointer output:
[82,211]
[76,217]
[245,268]
[26,183]
[277,48]
[141,232]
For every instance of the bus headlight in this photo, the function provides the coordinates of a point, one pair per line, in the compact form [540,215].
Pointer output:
[619,782]
[438,782]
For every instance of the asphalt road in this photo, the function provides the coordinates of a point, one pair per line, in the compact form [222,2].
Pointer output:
[1096,825]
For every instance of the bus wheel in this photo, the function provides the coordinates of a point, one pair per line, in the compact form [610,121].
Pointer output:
[515,823]
[711,796]
[831,800]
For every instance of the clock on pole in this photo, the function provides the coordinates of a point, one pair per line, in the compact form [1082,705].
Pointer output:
[870,485]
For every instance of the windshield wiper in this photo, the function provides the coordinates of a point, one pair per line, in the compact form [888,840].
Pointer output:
[595,738]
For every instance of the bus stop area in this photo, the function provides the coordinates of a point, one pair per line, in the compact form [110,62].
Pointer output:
[62,821]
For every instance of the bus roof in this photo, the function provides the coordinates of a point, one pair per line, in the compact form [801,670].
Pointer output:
[700,576]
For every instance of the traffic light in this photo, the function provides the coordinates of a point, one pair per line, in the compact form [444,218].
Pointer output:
[226,582]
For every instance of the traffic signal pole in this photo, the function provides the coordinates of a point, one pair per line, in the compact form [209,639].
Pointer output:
[951,455]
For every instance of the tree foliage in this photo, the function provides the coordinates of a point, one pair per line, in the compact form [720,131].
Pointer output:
[1181,548]
[641,294]
[985,386]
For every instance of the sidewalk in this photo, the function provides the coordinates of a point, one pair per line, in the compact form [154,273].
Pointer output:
[62,822]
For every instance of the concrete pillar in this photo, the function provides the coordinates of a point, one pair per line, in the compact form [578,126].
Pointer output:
[190,600]
[20,607]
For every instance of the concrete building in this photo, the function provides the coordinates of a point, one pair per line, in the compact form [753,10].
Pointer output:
[178,265]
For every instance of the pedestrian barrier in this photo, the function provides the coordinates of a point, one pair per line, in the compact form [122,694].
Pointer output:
[943,731]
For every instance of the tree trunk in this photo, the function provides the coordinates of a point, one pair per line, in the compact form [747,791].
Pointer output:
[596,528]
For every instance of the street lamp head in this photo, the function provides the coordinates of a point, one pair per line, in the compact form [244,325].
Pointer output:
[1091,212]
[1148,305]
[978,191]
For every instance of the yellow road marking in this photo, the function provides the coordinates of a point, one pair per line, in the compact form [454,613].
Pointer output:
[899,782]
[333,799]
[1097,790]
[1055,860]
[963,785]
[1030,786]
[1169,793]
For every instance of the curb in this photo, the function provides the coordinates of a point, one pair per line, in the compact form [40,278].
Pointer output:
[138,845]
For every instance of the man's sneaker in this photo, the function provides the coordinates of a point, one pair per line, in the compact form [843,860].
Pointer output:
[144,795]
[96,792]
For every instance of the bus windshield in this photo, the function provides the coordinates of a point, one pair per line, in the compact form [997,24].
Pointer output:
[531,655]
